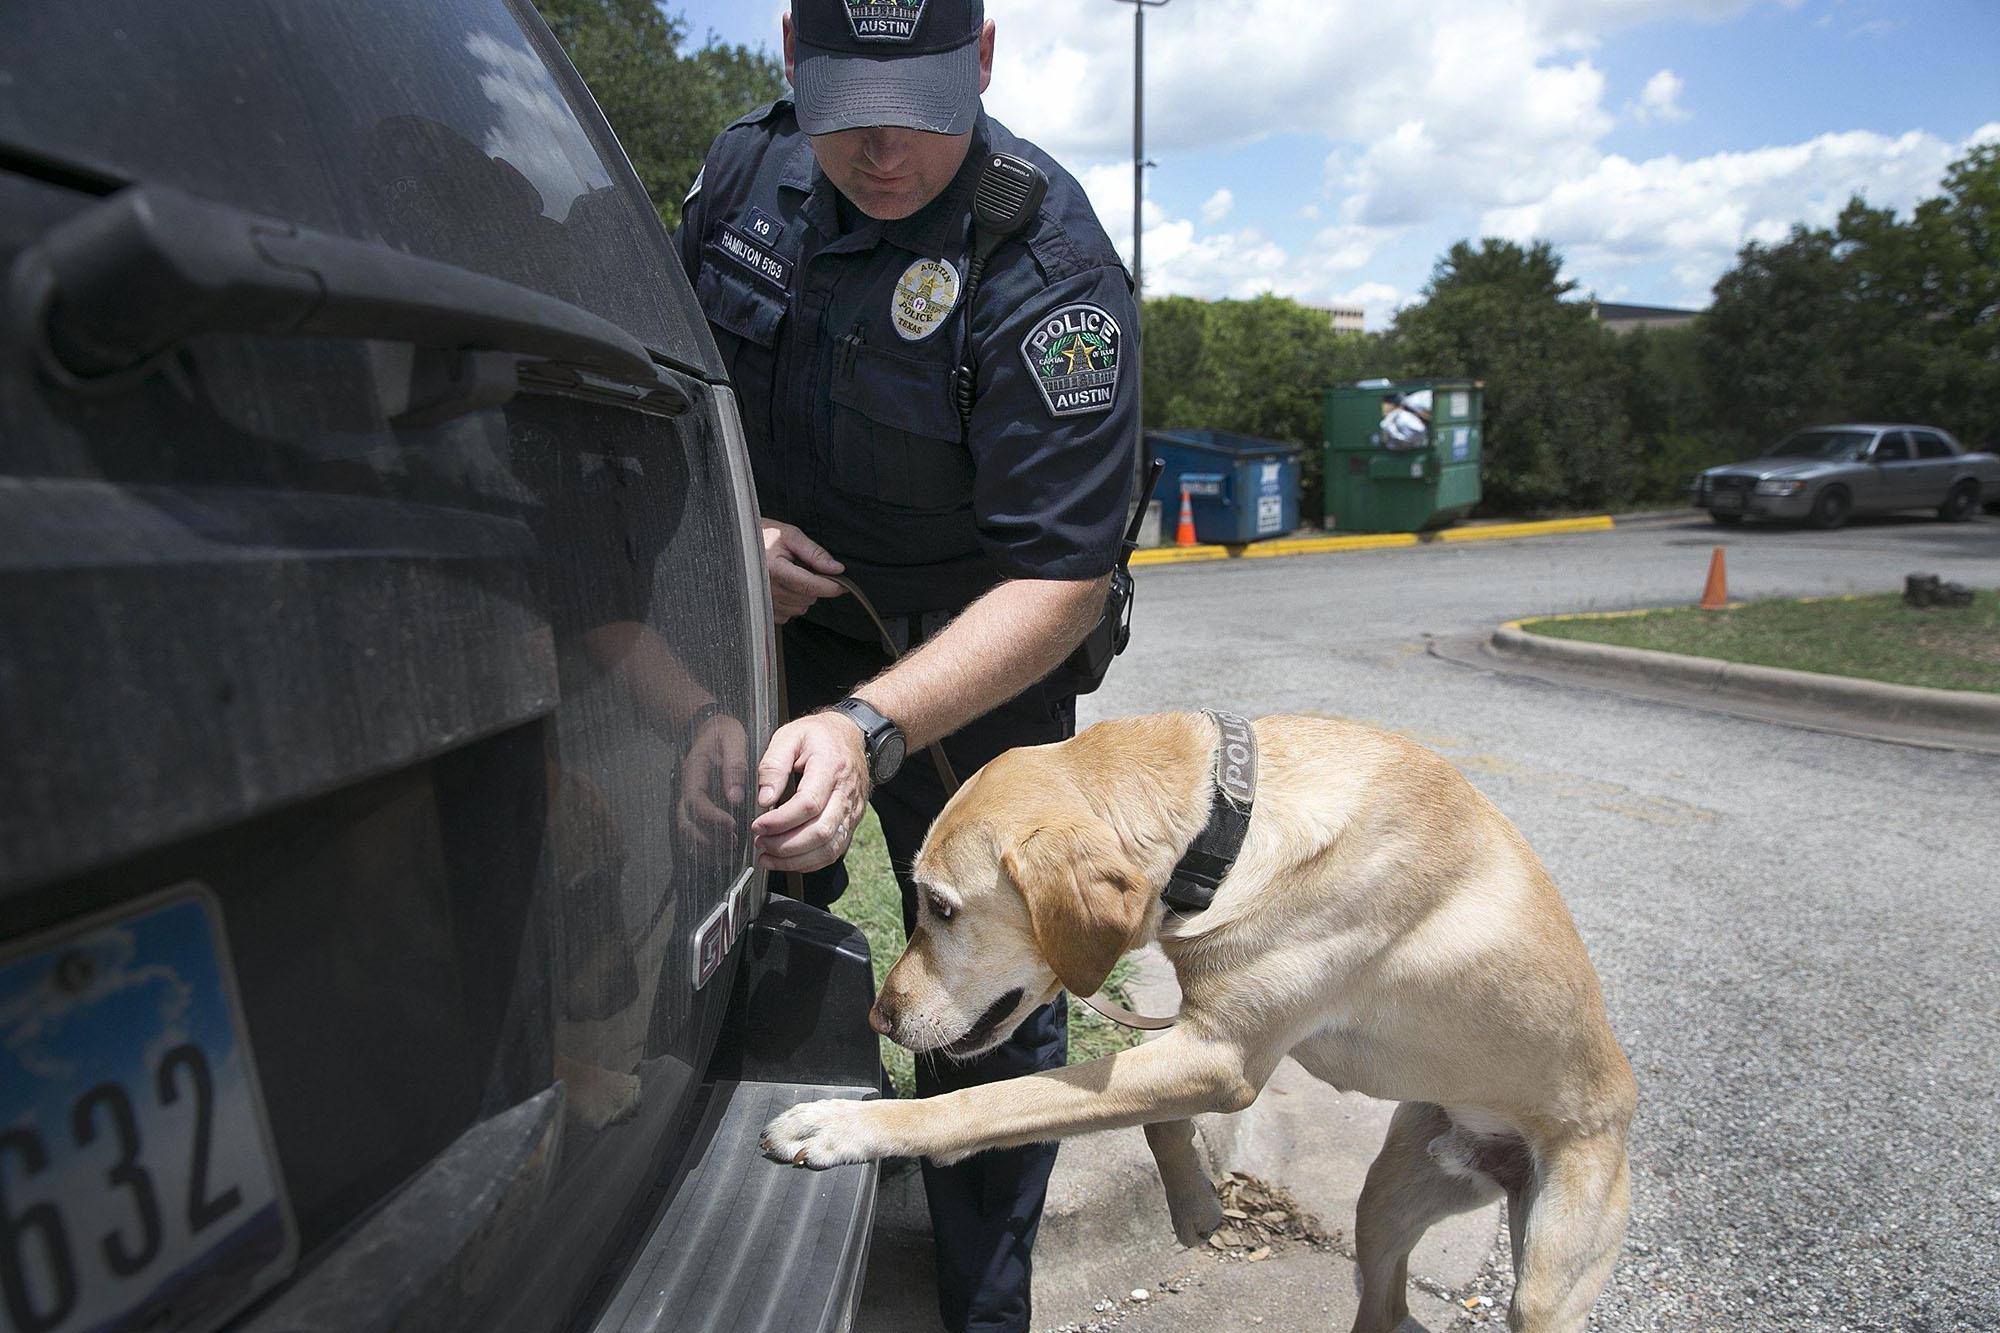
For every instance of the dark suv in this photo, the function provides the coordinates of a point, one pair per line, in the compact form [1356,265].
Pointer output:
[383,640]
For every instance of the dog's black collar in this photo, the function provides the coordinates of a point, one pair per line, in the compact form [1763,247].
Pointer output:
[1191,888]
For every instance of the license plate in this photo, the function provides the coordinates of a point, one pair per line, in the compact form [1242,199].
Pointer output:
[1725,500]
[138,1187]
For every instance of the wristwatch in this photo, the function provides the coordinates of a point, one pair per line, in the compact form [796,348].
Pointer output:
[882,739]
[713,708]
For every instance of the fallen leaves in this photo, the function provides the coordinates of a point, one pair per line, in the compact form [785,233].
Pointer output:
[1260,1219]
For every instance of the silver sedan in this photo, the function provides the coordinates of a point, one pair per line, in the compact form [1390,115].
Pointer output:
[1824,474]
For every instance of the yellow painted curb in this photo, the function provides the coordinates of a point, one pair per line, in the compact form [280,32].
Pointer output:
[1174,555]
[1365,541]
[1543,528]
[1360,541]
[1633,614]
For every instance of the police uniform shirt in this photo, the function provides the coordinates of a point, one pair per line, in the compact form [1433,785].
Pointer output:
[841,334]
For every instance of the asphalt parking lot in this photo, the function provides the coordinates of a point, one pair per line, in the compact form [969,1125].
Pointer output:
[1798,932]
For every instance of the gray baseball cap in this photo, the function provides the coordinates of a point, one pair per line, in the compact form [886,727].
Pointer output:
[909,63]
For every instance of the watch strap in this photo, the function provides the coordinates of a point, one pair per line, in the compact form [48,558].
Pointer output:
[876,731]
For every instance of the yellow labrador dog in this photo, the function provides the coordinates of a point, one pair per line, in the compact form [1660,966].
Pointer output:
[1383,925]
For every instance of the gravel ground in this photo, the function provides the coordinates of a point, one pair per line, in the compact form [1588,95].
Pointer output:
[1798,933]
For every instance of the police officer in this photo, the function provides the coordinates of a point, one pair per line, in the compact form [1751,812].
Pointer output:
[830,241]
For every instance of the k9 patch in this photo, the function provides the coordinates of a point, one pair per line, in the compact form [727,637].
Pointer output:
[762,225]
[1073,354]
[752,256]
[884,20]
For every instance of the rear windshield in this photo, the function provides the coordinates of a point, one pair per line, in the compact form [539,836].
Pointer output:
[1836,445]
[451,129]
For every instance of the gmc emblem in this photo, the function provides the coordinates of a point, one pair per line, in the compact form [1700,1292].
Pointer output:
[717,935]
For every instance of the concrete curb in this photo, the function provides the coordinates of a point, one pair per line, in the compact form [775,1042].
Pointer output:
[1317,1142]
[1370,541]
[1878,701]
[1656,518]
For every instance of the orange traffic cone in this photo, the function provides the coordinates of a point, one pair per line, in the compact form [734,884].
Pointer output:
[1715,596]
[1184,531]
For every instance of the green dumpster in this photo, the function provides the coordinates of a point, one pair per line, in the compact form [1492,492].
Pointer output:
[1370,488]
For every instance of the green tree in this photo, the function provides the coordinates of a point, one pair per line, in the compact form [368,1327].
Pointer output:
[1879,317]
[1774,342]
[665,102]
[1556,433]
[1532,274]
[1258,367]
[1959,233]
[1667,402]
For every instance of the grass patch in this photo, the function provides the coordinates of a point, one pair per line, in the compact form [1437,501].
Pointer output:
[874,903]
[1875,638]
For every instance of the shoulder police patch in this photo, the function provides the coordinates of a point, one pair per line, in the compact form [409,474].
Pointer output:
[884,20]
[1073,355]
[925,294]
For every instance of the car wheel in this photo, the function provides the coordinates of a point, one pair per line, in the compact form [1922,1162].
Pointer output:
[1831,509]
[1726,520]
[1962,503]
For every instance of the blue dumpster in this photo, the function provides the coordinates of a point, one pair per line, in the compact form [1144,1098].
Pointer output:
[1241,488]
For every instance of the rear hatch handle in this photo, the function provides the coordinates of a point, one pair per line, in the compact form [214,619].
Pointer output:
[105,295]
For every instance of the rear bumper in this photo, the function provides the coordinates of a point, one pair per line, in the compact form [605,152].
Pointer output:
[747,1245]
[742,1244]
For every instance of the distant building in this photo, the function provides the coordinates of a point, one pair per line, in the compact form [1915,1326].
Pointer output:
[1344,318]
[1624,318]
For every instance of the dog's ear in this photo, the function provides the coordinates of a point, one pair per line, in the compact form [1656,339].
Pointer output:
[1086,901]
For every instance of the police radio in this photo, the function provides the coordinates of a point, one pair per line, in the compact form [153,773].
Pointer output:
[1004,201]
[1084,669]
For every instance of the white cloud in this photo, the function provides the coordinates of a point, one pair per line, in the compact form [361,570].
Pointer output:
[1186,258]
[1695,214]
[1661,99]
[1347,68]
[1454,103]
[532,131]
[1440,119]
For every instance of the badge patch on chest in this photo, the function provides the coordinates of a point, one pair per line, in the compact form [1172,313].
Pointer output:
[884,20]
[753,257]
[925,294]
[1073,355]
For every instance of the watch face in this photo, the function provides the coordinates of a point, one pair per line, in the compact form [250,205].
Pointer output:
[890,757]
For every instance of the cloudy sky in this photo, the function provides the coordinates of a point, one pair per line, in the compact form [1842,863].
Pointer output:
[1329,150]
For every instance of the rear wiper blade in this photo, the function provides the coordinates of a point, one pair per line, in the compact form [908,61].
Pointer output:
[109,292]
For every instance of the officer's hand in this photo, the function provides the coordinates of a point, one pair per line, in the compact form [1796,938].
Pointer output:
[798,566]
[813,828]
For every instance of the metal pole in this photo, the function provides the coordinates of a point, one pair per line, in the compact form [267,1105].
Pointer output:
[1138,143]
[1139,162]
[1139,165]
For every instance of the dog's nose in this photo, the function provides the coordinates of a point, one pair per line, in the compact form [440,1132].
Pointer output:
[881,1017]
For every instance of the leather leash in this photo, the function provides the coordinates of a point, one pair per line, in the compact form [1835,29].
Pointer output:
[1105,1006]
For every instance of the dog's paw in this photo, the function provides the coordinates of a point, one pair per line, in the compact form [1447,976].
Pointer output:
[824,1134]
[599,1097]
[1196,1212]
